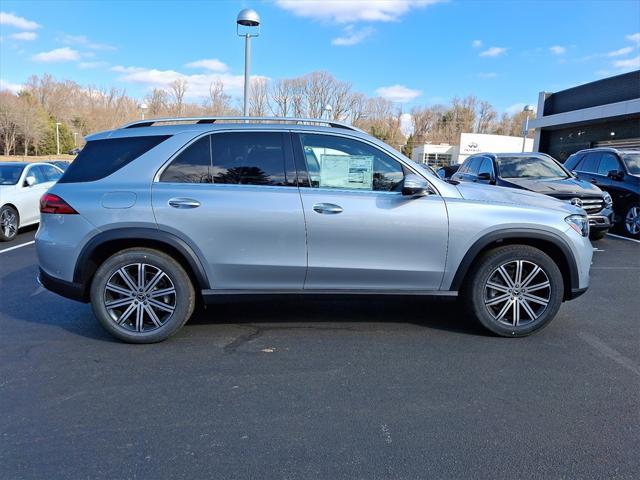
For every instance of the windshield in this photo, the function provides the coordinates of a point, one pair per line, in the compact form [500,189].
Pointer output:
[632,161]
[530,167]
[10,174]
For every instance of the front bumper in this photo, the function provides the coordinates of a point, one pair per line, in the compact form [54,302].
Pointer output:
[74,291]
[602,220]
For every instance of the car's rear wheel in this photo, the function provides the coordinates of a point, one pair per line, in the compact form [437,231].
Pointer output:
[9,223]
[631,221]
[514,290]
[142,295]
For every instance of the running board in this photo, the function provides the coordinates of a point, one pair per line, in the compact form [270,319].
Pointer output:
[215,293]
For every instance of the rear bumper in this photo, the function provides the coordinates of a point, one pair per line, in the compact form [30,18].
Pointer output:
[74,291]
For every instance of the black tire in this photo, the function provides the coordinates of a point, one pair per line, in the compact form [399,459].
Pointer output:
[625,226]
[177,308]
[8,232]
[475,290]
[599,235]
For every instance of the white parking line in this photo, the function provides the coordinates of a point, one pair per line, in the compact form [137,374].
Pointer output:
[609,352]
[623,238]
[18,246]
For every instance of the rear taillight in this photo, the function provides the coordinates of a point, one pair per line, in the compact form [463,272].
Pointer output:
[50,203]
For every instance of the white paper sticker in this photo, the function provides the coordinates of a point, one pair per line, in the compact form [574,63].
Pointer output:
[346,171]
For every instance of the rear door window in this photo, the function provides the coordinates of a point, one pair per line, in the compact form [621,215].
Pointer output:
[589,163]
[192,165]
[101,158]
[608,162]
[249,158]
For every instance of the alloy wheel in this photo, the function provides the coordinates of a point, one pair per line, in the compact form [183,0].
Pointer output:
[8,223]
[139,297]
[632,220]
[517,293]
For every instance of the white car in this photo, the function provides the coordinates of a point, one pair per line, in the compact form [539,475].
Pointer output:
[21,186]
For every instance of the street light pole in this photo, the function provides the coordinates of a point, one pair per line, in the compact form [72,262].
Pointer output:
[525,131]
[58,137]
[247,18]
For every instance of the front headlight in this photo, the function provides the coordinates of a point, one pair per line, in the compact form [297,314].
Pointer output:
[580,223]
[608,201]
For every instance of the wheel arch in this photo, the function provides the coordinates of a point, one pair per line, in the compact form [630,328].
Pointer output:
[549,243]
[105,244]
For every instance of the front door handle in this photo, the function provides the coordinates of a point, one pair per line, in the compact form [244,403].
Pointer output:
[184,203]
[327,208]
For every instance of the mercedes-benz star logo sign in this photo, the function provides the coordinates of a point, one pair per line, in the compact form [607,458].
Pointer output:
[576,202]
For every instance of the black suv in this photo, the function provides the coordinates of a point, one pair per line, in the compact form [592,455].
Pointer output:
[540,173]
[617,172]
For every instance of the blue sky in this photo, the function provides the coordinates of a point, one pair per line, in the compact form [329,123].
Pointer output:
[412,52]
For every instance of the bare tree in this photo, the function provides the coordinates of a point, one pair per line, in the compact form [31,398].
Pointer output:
[282,93]
[9,111]
[259,99]
[31,122]
[157,102]
[177,90]
[218,101]
[486,117]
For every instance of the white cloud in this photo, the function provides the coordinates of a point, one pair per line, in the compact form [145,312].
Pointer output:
[515,108]
[352,36]
[24,36]
[349,11]
[476,43]
[620,52]
[487,75]
[18,22]
[197,84]
[628,63]
[12,87]
[493,52]
[398,93]
[83,41]
[406,124]
[634,37]
[211,64]
[558,50]
[90,65]
[64,54]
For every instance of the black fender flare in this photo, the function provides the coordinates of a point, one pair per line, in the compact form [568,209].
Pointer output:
[83,268]
[524,233]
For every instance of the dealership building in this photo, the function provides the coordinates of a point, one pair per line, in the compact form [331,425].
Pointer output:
[596,114]
[443,154]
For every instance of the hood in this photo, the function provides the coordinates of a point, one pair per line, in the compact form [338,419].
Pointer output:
[494,194]
[569,187]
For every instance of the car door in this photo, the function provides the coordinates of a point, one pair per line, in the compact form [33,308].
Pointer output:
[29,194]
[485,169]
[469,170]
[233,197]
[588,167]
[362,233]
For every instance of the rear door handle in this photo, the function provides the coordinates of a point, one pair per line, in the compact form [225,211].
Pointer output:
[184,203]
[327,208]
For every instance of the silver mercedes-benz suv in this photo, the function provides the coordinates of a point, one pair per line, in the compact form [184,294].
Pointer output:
[158,214]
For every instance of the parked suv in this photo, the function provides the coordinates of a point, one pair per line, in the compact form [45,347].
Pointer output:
[617,172]
[540,173]
[153,216]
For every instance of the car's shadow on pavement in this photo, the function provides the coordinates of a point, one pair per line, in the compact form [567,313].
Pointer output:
[437,314]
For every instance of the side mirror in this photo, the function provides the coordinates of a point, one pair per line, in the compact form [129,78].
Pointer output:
[485,176]
[415,186]
[615,175]
[30,181]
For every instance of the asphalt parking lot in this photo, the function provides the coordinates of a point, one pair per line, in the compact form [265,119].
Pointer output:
[309,388]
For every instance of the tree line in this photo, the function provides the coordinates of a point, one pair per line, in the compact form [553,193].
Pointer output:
[28,118]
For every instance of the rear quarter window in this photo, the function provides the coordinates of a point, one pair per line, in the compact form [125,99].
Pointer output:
[101,158]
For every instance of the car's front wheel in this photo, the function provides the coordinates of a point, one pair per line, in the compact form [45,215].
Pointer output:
[514,290]
[9,223]
[141,295]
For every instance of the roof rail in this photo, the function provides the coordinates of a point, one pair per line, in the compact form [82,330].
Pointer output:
[303,121]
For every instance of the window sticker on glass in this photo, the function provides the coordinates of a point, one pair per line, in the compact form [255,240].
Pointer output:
[346,171]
